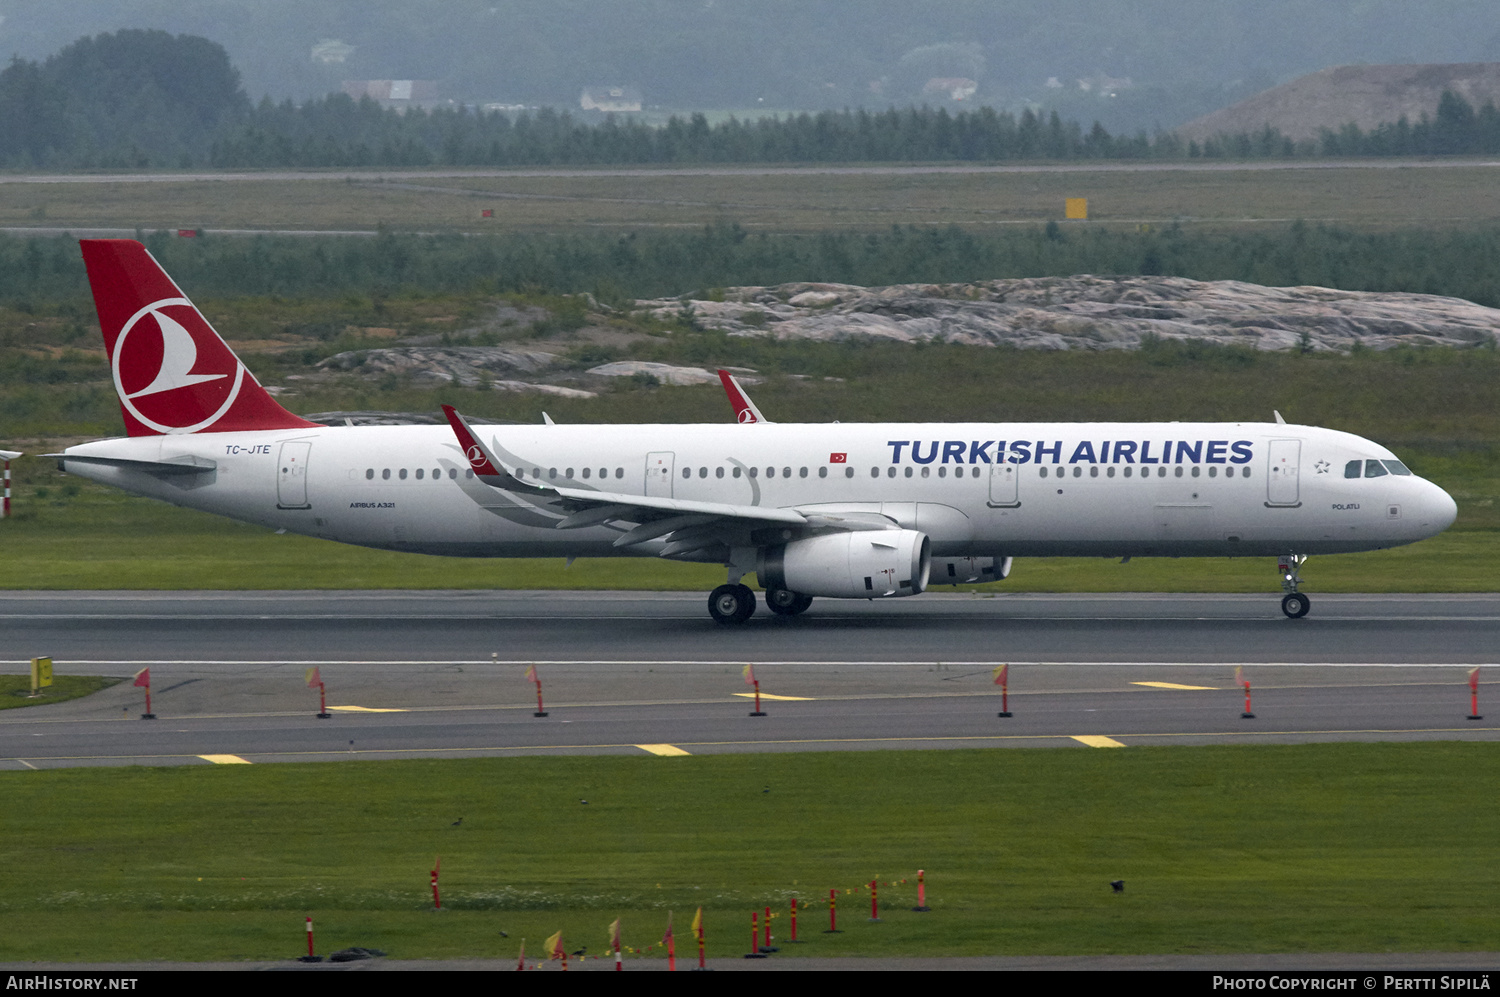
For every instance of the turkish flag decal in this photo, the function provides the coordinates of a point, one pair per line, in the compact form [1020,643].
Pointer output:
[838,458]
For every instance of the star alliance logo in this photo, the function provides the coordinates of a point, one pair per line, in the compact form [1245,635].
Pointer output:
[1322,466]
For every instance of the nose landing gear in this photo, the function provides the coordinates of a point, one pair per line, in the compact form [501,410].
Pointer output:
[1294,604]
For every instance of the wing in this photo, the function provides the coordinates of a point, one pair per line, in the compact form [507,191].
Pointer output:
[688,527]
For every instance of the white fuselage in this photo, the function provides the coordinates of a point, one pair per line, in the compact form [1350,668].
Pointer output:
[1089,489]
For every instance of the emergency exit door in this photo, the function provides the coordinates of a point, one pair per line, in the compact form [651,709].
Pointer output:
[291,476]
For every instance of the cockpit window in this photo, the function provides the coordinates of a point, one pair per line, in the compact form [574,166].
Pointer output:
[1396,467]
[1375,469]
[1354,468]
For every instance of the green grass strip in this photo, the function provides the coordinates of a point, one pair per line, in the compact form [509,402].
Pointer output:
[1332,847]
[15,690]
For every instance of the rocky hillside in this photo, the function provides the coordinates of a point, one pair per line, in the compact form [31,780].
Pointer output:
[1095,313]
[1043,313]
[1366,95]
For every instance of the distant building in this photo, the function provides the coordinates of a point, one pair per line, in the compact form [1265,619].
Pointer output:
[393,93]
[331,51]
[610,99]
[956,87]
[1106,86]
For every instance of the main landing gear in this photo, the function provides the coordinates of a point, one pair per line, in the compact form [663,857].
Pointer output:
[1294,604]
[786,603]
[735,603]
[731,604]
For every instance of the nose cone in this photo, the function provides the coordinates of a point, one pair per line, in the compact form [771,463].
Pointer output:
[1437,509]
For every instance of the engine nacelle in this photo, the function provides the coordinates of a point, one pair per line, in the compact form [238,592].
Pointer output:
[862,565]
[968,570]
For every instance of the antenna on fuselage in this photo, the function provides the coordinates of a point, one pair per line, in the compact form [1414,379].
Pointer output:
[1279,420]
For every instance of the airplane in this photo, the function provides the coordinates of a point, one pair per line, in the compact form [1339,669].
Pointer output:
[837,510]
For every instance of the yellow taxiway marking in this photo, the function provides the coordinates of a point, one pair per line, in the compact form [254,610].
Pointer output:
[366,709]
[1174,685]
[783,699]
[663,749]
[224,759]
[1097,741]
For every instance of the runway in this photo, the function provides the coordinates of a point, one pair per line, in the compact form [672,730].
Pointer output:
[441,674]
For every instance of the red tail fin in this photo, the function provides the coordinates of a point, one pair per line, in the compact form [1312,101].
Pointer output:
[172,371]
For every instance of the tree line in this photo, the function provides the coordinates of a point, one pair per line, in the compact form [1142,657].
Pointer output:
[146,99]
[618,268]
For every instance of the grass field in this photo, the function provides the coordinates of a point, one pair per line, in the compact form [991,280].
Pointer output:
[1355,848]
[1370,193]
[15,690]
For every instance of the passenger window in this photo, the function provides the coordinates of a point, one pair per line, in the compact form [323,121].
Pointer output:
[823,472]
[1213,472]
[1127,470]
[619,472]
[874,472]
[1396,467]
[1353,468]
[1042,471]
[1196,470]
[687,472]
[437,472]
[926,471]
[908,472]
[1244,472]
[402,474]
[469,472]
[702,472]
[736,472]
[369,474]
[770,472]
[942,472]
[586,472]
[1177,472]
[803,472]
[718,472]
[755,472]
[1375,469]
[1161,472]
[570,472]
[1094,471]
[786,472]
[849,472]
[1110,472]
[1228,472]
[1077,472]
[421,473]
[891,472]
[552,472]
[452,474]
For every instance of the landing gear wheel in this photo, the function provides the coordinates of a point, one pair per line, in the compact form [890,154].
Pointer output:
[731,604]
[783,602]
[1295,605]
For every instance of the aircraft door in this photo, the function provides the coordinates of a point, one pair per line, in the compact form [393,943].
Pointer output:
[1003,493]
[659,474]
[1282,486]
[291,475]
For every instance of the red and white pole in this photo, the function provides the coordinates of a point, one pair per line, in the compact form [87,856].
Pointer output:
[768,928]
[309,938]
[921,893]
[1474,694]
[758,711]
[833,913]
[5,512]
[1002,679]
[437,902]
[323,713]
[874,901]
[794,919]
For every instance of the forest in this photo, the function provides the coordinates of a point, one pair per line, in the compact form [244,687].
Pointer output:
[142,99]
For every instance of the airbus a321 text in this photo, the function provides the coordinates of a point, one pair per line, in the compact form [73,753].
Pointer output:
[843,511]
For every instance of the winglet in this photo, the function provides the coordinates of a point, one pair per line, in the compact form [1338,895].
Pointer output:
[486,467]
[744,409]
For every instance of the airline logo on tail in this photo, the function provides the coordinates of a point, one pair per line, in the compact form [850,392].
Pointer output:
[172,371]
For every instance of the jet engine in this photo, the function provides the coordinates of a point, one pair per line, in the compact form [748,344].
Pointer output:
[861,565]
[968,570]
